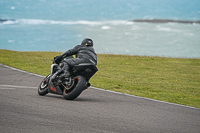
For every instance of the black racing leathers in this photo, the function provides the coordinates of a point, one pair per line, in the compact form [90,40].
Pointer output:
[82,52]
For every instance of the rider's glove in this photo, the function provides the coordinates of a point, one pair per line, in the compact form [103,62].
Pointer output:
[58,59]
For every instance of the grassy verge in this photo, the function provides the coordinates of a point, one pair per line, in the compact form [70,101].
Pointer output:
[168,79]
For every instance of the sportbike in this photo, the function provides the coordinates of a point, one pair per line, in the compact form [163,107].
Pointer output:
[70,87]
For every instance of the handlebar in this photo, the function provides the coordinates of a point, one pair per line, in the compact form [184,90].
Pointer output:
[54,62]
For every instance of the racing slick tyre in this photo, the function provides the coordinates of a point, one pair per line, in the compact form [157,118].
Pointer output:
[75,90]
[43,87]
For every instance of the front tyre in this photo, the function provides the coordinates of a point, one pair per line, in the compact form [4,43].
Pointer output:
[76,89]
[43,87]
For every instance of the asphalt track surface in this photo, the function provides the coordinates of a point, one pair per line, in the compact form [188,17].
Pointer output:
[22,110]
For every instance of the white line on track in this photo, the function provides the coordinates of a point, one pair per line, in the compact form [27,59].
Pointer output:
[145,98]
[7,88]
[15,86]
[102,90]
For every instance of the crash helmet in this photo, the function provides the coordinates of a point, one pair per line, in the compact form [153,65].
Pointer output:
[87,42]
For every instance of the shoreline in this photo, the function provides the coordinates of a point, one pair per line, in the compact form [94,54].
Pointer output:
[166,21]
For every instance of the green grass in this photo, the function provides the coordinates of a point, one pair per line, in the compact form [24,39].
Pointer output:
[175,80]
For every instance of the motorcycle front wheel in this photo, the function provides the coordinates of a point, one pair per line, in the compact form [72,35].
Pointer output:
[43,87]
[76,89]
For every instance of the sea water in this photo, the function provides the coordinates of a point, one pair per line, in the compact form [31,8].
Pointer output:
[41,25]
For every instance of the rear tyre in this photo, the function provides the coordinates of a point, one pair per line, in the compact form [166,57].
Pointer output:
[76,89]
[43,87]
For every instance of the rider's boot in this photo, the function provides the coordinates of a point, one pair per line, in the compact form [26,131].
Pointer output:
[65,69]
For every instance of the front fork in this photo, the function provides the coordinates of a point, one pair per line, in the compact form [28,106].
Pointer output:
[53,67]
[55,70]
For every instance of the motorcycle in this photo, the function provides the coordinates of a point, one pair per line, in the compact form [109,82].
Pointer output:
[70,87]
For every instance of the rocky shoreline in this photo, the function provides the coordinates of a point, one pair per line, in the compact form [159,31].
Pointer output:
[165,21]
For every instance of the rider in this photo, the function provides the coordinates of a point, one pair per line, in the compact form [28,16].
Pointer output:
[85,53]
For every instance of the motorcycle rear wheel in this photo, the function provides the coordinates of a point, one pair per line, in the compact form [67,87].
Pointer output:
[43,87]
[76,89]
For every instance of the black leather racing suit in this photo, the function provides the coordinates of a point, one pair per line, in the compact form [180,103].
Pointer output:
[84,54]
